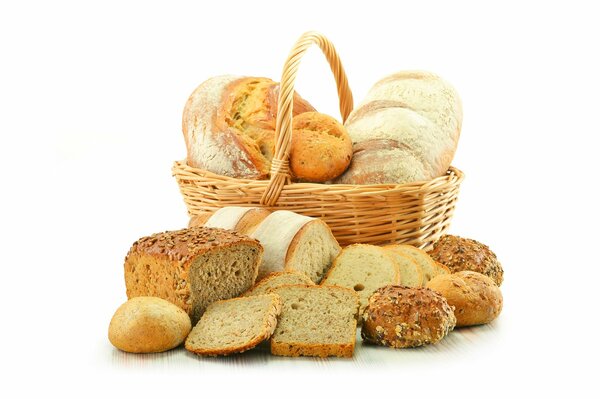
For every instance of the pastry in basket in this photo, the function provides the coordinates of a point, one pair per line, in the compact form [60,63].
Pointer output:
[405,130]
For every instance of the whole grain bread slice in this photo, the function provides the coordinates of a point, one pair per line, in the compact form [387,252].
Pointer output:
[315,321]
[234,325]
[277,279]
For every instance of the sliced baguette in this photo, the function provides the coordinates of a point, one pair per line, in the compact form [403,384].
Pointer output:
[278,279]
[315,321]
[234,325]
[410,271]
[363,268]
[430,267]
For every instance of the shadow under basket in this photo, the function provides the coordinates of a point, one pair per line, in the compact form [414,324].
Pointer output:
[415,213]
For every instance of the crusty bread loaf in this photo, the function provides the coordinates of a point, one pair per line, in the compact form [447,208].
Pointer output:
[192,267]
[411,274]
[475,297]
[234,325]
[277,279]
[430,267]
[403,317]
[292,242]
[295,242]
[229,125]
[460,254]
[321,148]
[363,268]
[148,324]
[315,321]
[408,125]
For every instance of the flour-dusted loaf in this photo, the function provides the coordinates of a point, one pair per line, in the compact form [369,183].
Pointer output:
[405,130]
[277,279]
[315,321]
[192,267]
[458,254]
[363,268]
[403,317]
[229,125]
[475,297]
[234,325]
[292,242]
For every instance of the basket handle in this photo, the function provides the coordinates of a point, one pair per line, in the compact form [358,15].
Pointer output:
[283,130]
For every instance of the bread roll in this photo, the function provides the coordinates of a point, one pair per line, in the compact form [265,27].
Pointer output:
[148,324]
[321,148]
[460,254]
[408,125]
[229,125]
[475,297]
[403,317]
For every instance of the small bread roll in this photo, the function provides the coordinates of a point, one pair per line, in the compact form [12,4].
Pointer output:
[321,148]
[475,297]
[460,254]
[148,324]
[403,317]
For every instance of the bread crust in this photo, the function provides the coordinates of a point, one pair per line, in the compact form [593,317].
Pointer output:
[321,148]
[403,317]
[269,324]
[460,254]
[475,297]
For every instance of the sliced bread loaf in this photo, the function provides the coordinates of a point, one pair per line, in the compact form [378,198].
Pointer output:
[234,325]
[410,271]
[278,279]
[315,321]
[193,267]
[363,268]
[430,267]
[241,219]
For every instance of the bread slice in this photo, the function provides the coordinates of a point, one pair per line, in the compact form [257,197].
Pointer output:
[315,321]
[363,268]
[278,279]
[410,271]
[192,267]
[234,325]
[430,267]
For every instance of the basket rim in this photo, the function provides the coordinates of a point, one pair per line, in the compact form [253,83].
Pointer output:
[453,174]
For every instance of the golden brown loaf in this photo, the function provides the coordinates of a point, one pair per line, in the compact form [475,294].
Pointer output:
[229,125]
[192,267]
[403,317]
[407,127]
[460,254]
[148,324]
[321,148]
[476,298]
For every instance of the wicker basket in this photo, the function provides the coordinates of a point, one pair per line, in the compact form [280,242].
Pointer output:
[416,213]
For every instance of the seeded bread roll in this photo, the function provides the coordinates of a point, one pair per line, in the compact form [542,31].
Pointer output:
[193,267]
[321,148]
[476,298]
[460,254]
[229,125]
[403,317]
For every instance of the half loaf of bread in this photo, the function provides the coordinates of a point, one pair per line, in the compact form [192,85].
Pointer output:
[192,267]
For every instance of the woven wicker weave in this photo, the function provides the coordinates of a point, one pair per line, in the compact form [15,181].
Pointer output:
[415,213]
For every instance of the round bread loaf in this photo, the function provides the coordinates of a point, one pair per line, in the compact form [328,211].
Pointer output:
[403,317]
[418,117]
[321,148]
[229,125]
[147,324]
[460,254]
[475,297]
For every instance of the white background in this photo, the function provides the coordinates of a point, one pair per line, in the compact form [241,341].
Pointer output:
[91,97]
